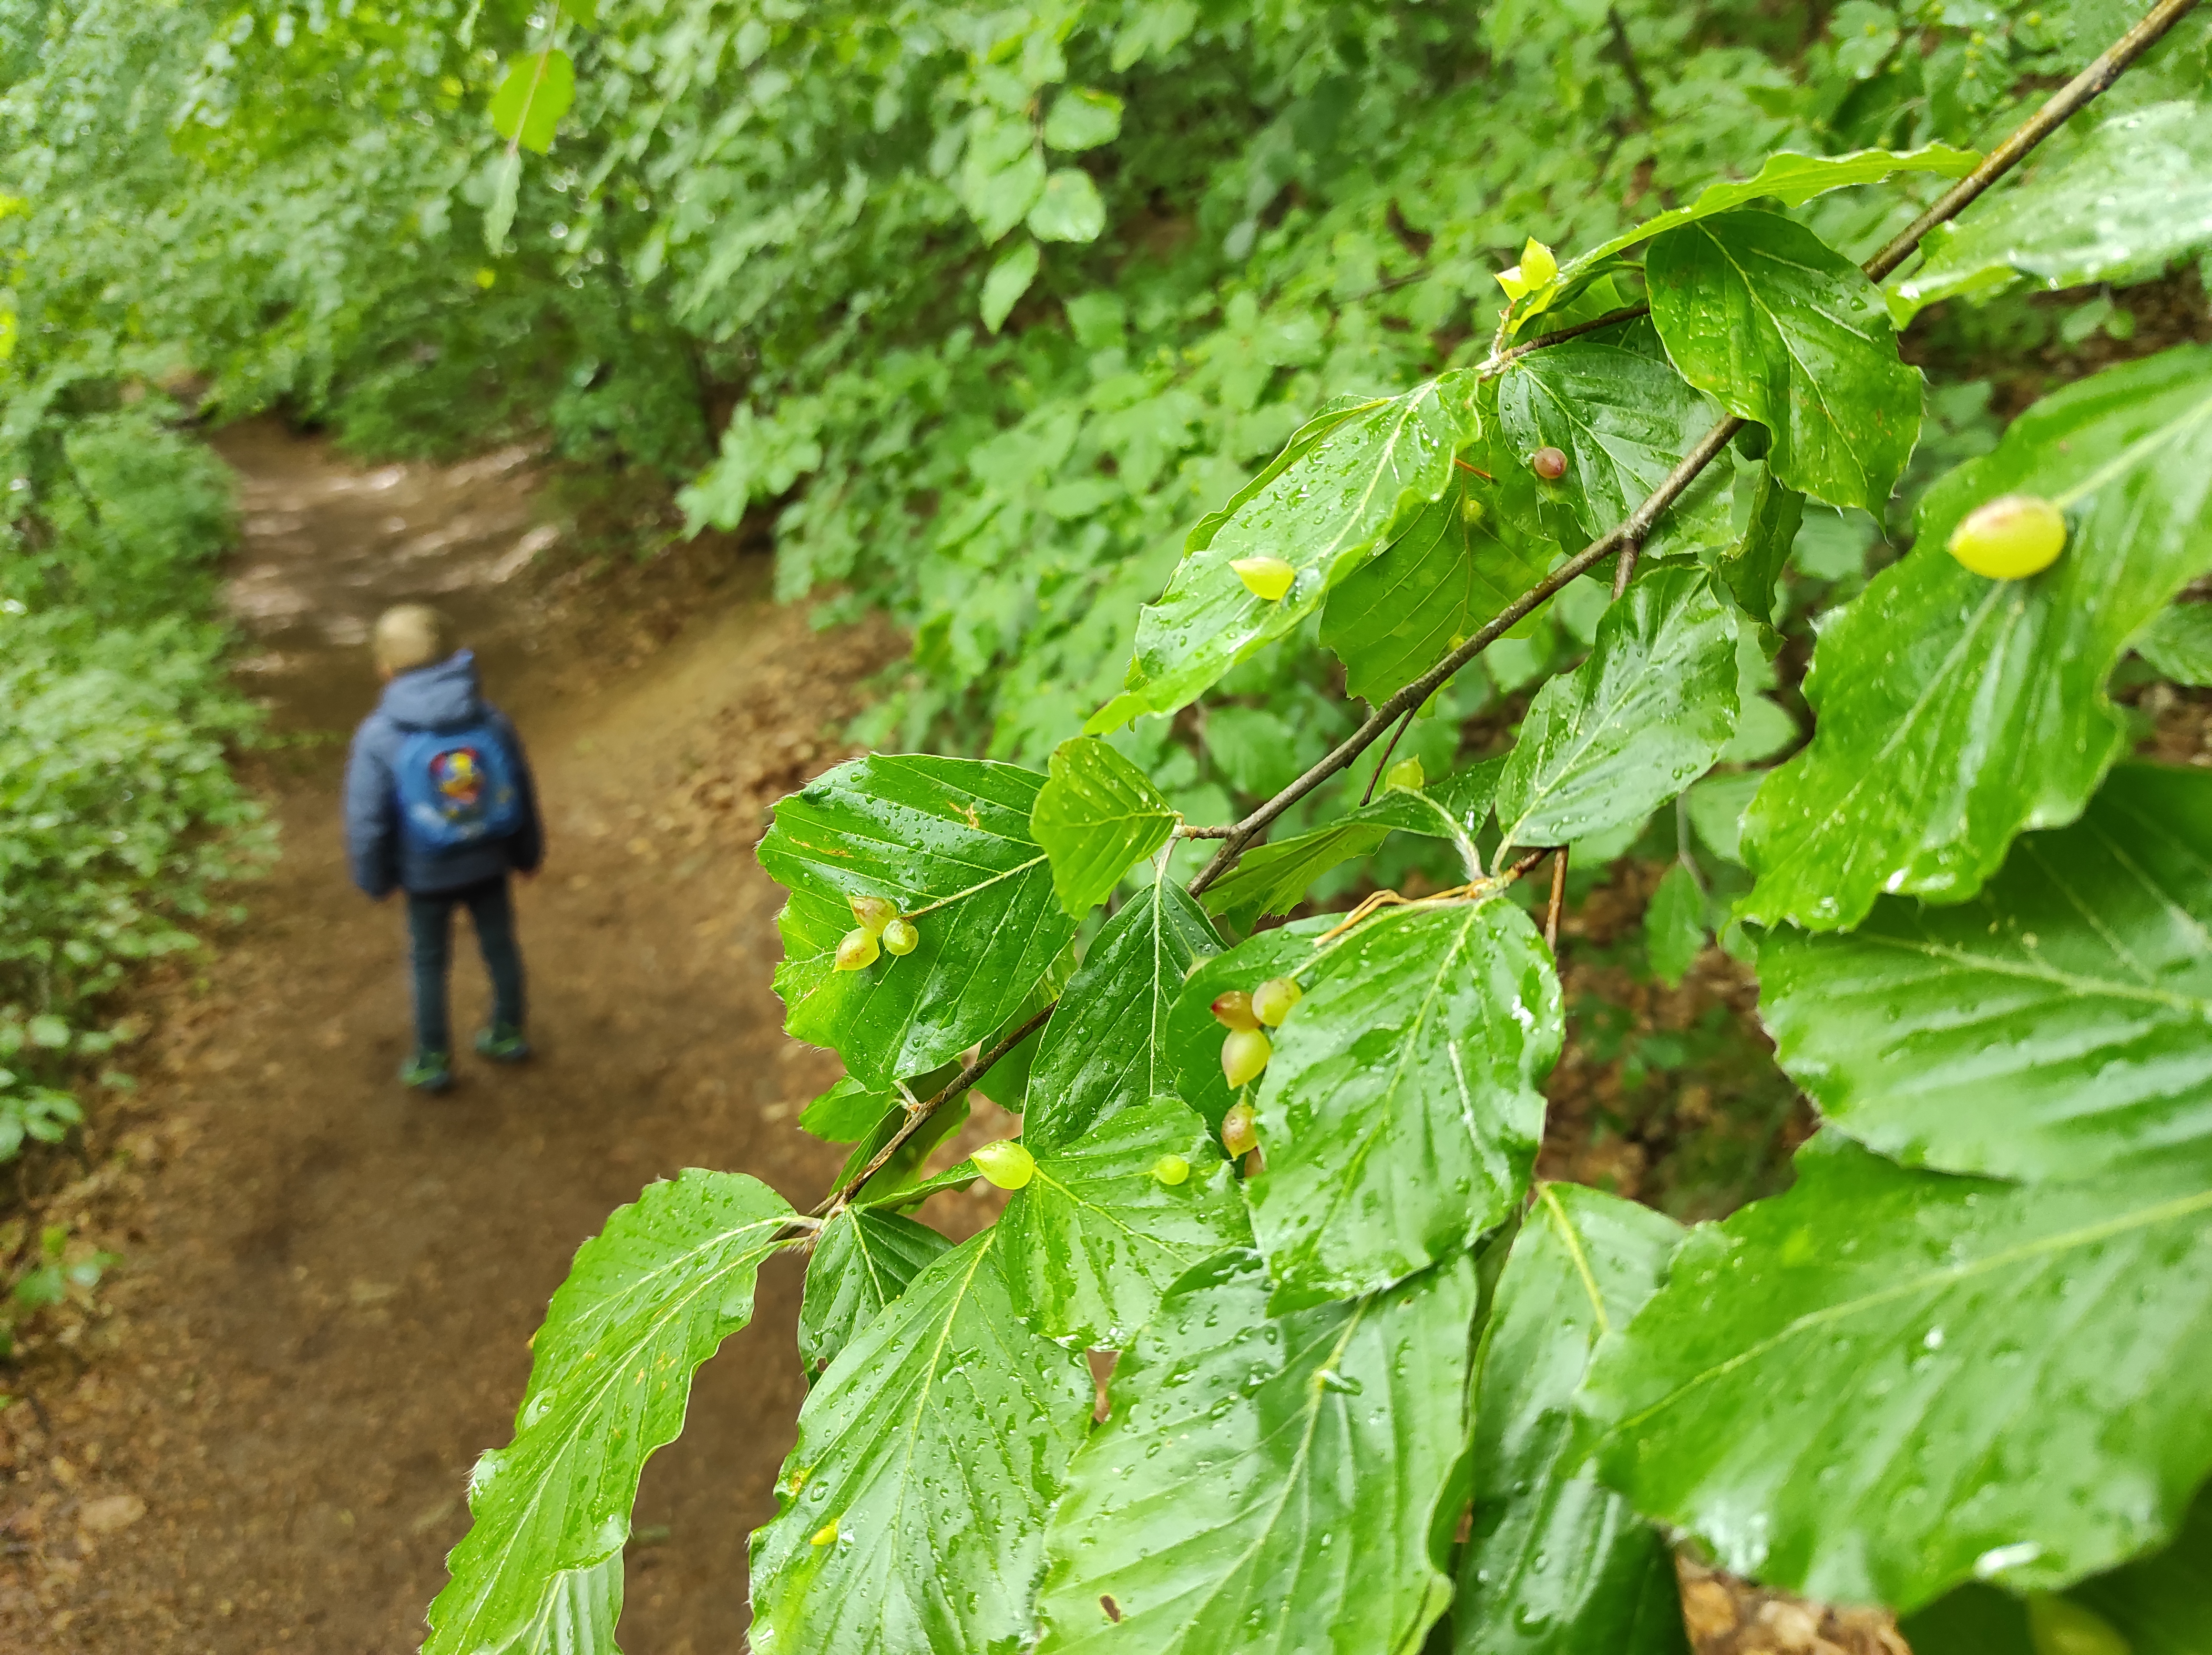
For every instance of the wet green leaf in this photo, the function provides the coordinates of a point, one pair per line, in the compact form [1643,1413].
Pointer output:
[1094,1238]
[910,1515]
[1954,710]
[1889,1381]
[1784,329]
[1106,1046]
[2159,1605]
[1554,1564]
[2058,1025]
[531,99]
[948,840]
[1453,570]
[1624,418]
[1644,716]
[645,1302]
[1266,1486]
[845,1112]
[1095,816]
[2178,644]
[1349,482]
[1792,178]
[2133,197]
[2162,1604]
[1755,561]
[1400,1113]
[863,1259]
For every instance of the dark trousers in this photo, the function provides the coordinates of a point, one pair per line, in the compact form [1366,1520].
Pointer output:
[430,931]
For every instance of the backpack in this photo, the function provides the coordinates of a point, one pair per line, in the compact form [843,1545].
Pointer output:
[457,787]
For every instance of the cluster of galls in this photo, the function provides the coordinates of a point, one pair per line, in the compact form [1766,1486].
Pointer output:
[1245,1052]
[881,930]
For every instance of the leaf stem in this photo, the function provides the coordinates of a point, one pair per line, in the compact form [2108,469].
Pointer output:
[1404,725]
[1558,898]
[1624,569]
[1637,527]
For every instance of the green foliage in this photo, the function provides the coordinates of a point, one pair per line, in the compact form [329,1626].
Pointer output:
[911,1512]
[1452,571]
[531,99]
[1784,329]
[1094,1238]
[2053,1028]
[1957,711]
[2131,197]
[1791,180]
[1218,1506]
[966,392]
[1373,464]
[1105,1049]
[2178,644]
[1675,931]
[946,840]
[1887,1381]
[1274,878]
[863,1259]
[2156,1606]
[1096,815]
[1555,1563]
[1624,419]
[1648,713]
[646,1302]
[1400,1114]
[120,822]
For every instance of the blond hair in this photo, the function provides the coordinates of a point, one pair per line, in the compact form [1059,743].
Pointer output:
[408,636]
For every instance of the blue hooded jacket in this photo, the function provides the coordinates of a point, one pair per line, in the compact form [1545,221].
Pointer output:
[442,696]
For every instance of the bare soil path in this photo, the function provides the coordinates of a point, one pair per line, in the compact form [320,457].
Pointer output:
[261,1440]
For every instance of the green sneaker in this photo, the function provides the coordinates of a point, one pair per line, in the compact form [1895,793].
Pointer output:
[502,1043]
[428,1071]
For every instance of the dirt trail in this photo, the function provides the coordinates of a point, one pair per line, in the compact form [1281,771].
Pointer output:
[328,1284]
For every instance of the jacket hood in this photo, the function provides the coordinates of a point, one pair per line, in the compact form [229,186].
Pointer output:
[441,696]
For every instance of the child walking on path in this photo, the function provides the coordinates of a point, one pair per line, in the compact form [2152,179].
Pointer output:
[439,804]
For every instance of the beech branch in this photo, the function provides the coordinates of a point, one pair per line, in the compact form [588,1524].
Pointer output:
[1624,538]
[970,1072]
[1622,543]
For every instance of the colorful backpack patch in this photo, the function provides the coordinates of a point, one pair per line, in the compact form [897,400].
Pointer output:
[457,787]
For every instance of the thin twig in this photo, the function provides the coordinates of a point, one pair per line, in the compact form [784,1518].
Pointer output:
[1637,527]
[2108,68]
[1404,725]
[1184,830]
[1559,897]
[1495,363]
[1624,570]
[970,1074]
